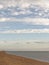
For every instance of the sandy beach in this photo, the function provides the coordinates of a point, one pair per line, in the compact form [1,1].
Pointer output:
[8,59]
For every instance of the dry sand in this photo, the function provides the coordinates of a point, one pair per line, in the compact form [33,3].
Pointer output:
[8,59]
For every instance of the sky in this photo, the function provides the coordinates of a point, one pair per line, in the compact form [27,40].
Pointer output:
[24,25]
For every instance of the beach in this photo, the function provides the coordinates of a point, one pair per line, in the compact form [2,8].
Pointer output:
[10,59]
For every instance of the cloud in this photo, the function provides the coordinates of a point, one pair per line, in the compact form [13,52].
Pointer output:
[25,3]
[8,3]
[41,42]
[24,12]
[42,3]
[14,3]
[33,21]
[36,21]
[25,31]
[22,46]
[1,6]
[10,7]
[4,19]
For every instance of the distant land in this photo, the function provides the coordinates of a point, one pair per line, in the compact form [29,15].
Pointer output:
[9,59]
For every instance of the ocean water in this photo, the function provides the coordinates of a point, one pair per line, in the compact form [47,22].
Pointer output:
[37,55]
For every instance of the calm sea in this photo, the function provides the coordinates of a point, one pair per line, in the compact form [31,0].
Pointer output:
[38,55]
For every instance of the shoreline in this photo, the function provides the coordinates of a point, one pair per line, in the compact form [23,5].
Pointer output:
[10,59]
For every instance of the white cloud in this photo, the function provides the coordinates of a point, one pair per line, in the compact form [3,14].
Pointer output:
[24,12]
[25,31]
[30,3]
[1,6]
[36,21]
[41,3]
[25,3]
[4,19]
[23,46]
[8,3]
[15,13]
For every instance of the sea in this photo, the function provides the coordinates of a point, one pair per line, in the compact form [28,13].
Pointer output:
[37,55]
